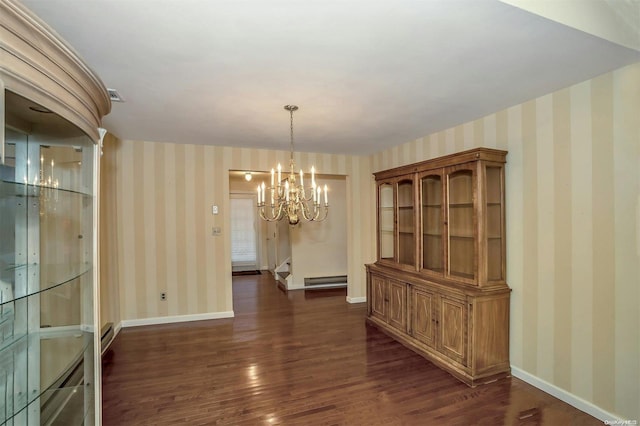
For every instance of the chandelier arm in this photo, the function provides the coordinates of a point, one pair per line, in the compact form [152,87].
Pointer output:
[274,216]
[324,216]
[305,212]
[281,211]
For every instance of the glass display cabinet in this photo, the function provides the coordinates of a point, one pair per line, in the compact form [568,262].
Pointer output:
[52,105]
[439,282]
[396,216]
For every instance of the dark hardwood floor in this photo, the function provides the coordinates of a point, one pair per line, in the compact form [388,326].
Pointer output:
[302,358]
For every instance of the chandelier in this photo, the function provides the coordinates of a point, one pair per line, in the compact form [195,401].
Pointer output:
[290,199]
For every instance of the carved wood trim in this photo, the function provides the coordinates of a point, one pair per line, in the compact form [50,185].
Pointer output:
[37,64]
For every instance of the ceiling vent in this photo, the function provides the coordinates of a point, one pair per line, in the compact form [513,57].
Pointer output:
[114,95]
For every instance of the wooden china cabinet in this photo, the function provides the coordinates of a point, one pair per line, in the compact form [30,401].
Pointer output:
[438,285]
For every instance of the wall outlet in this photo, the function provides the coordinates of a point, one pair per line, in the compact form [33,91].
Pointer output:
[163,296]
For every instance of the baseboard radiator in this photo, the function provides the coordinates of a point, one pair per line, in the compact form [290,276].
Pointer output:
[106,336]
[335,281]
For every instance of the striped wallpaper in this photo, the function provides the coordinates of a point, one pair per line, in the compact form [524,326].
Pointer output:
[573,229]
[157,224]
[573,232]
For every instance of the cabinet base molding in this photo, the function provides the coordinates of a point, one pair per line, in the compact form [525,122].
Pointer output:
[459,372]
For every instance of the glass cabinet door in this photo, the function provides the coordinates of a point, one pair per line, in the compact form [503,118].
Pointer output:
[432,222]
[386,222]
[46,261]
[406,225]
[495,223]
[461,242]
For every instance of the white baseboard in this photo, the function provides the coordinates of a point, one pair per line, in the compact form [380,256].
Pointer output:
[176,318]
[564,395]
[360,299]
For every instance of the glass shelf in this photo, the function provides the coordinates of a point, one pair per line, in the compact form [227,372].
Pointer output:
[431,234]
[462,236]
[460,205]
[60,352]
[17,189]
[51,276]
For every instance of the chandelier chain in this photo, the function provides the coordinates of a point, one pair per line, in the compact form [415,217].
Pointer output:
[291,155]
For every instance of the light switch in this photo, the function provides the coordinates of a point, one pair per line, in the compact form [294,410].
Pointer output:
[216,231]
[214,209]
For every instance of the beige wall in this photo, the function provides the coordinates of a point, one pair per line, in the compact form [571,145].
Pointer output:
[573,232]
[319,249]
[156,208]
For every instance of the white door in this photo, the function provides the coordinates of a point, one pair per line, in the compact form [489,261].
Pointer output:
[244,233]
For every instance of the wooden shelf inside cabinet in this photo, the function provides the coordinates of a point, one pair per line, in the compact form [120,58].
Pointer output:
[451,216]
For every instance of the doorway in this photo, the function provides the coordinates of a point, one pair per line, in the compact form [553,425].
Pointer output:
[244,233]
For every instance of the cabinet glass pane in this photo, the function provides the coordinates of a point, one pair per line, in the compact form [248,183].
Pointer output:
[406,228]
[432,252]
[461,227]
[494,223]
[46,260]
[386,221]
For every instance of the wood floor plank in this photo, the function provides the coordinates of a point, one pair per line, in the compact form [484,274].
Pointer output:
[299,358]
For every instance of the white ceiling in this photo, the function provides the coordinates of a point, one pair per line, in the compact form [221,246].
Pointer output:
[366,74]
